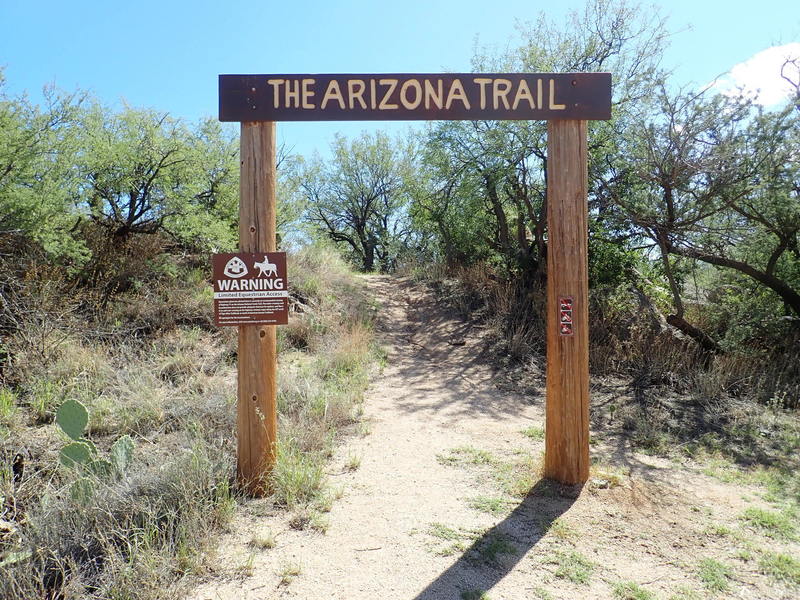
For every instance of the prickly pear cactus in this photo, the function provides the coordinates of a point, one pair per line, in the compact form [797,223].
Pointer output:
[91,445]
[82,455]
[73,418]
[122,454]
[101,468]
[82,490]
[75,454]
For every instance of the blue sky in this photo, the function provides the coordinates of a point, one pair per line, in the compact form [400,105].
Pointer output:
[167,55]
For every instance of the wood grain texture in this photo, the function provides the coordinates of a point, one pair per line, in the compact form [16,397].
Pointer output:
[257,368]
[567,412]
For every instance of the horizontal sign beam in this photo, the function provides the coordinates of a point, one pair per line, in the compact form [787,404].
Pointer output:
[404,97]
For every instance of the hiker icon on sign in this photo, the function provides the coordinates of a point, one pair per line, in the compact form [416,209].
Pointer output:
[566,316]
[566,329]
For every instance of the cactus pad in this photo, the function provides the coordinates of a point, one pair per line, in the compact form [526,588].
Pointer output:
[82,490]
[102,468]
[122,453]
[73,418]
[74,454]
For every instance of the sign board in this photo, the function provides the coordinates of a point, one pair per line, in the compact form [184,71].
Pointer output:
[398,97]
[250,289]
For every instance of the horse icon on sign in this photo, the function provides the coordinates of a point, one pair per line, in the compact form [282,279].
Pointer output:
[266,268]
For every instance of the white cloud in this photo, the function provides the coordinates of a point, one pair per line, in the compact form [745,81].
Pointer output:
[760,75]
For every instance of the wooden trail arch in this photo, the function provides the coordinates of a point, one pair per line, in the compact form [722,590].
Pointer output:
[565,100]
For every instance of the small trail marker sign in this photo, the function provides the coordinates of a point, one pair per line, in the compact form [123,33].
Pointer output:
[250,289]
[565,315]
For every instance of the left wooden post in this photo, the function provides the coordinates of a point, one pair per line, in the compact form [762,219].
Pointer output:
[257,419]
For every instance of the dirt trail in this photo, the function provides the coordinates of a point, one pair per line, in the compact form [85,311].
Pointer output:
[418,521]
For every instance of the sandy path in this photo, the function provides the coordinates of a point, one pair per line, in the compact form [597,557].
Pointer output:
[406,526]
[436,393]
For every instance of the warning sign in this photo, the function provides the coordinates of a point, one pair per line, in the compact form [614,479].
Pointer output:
[565,316]
[250,289]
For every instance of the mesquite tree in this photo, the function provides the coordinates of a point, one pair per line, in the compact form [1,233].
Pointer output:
[487,181]
[715,180]
[358,198]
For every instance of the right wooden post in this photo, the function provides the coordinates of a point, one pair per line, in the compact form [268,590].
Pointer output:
[567,411]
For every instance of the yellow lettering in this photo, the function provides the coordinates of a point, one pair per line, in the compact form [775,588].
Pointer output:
[553,105]
[457,93]
[307,93]
[355,91]
[482,82]
[436,95]
[333,93]
[500,89]
[384,105]
[539,94]
[523,93]
[276,90]
[292,93]
[372,94]
[408,104]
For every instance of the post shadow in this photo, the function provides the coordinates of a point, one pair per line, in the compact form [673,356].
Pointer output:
[521,529]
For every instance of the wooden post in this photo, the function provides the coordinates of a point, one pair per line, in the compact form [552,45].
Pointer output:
[567,412]
[257,419]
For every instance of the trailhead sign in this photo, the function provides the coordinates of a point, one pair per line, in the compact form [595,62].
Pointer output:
[393,97]
[250,289]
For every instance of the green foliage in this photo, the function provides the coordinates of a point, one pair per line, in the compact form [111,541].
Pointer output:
[780,567]
[121,454]
[145,171]
[714,574]
[534,432]
[82,456]
[493,506]
[38,146]
[482,193]
[298,477]
[73,418]
[491,547]
[82,490]
[611,263]
[8,406]
[771,523]
[13,558]
[543,594]
[573,566]
[358,200]
[76,455]
[628,590]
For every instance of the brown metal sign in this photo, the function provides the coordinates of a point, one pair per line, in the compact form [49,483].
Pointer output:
[250,289]
[400,97]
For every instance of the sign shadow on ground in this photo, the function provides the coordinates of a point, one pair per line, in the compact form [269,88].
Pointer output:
[482,566]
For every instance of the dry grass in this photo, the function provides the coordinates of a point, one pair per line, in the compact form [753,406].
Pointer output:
[651,385]
[149,364]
